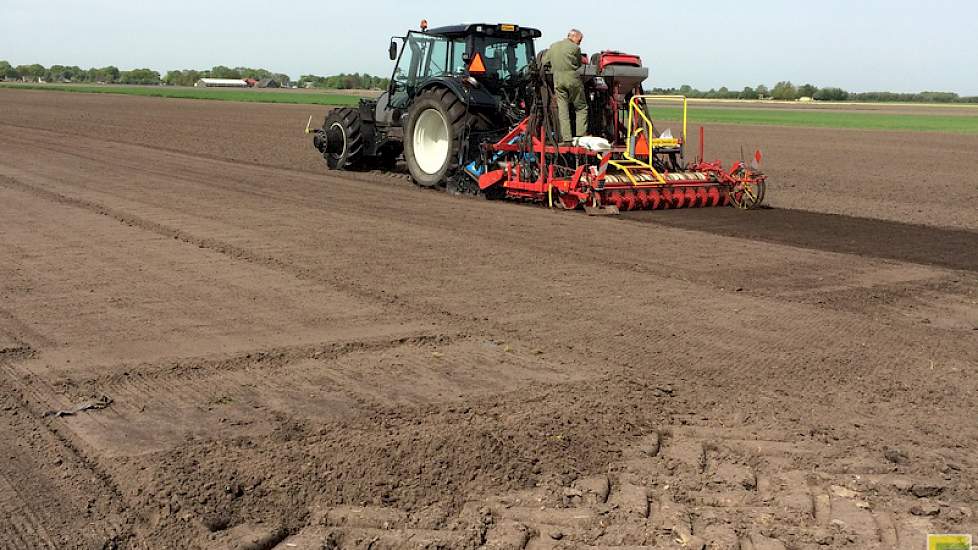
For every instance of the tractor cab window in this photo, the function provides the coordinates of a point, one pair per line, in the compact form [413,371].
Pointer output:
[424,56]
[458,57]
[437,60]
[504,58]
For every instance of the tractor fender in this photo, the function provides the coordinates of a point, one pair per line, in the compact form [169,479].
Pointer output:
[473,96]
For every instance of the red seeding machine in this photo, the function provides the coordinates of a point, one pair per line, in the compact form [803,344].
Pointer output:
[472,108]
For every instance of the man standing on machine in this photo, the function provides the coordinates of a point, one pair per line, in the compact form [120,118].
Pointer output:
[564,58]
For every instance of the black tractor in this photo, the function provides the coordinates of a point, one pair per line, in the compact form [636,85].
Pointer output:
[452,88]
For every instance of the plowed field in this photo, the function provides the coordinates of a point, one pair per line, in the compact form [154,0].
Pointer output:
[206,340]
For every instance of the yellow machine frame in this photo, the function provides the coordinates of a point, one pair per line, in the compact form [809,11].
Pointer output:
[637,125]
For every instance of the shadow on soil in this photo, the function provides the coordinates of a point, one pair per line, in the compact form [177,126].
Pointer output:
[951,248]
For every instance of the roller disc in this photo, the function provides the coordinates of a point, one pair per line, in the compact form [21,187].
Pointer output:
[679,198]
[714,196]
[655,199]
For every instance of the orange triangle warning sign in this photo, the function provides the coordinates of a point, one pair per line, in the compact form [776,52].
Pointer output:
[477,66]
[641,146]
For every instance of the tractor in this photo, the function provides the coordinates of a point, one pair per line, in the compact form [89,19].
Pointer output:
[447,83]
[471,108]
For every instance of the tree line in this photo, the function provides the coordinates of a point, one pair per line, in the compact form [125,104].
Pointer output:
[189,77]
[355,81]
[72,73]
[184,77]
[112,75]
[786,91]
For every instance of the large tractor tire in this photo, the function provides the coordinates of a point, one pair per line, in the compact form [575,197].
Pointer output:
[435,133]
[343,144]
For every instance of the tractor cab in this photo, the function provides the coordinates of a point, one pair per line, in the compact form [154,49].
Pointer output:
[492,56]
[451,86]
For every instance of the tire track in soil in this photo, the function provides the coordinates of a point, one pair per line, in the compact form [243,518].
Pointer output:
[12,340]
[837,233]
[155,407]
[461,355]
[720,217]
[393,177]
[463,322]
[596,257]
[609,356]
[52,494]
[260,359]
[234,252]
[20,528]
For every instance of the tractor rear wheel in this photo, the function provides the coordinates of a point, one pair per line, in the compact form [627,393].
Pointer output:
[436,131]
[343,147]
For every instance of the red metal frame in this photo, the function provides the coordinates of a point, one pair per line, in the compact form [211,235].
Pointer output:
[700,184]
[708,183]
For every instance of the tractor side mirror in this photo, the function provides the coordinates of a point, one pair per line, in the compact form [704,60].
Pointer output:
[392,51]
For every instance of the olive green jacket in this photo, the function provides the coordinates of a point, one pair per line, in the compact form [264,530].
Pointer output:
[564,58]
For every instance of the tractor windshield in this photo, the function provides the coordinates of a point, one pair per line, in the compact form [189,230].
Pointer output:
[504,58]
[424,56]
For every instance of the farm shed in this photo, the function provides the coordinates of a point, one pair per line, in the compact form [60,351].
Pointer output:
[221,83]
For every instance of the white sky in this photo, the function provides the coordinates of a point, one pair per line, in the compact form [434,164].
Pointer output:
[895,45]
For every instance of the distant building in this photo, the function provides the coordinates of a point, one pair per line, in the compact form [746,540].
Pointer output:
[268,83]
[221,83]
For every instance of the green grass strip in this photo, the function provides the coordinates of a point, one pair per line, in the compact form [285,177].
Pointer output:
[958,124]
[217,94]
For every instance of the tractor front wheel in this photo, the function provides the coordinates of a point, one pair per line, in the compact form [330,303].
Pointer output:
[434,135]
[342,140]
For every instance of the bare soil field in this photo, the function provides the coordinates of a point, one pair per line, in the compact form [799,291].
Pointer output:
[208,341]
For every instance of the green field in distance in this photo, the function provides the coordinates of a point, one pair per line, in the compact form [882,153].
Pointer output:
[810,118]
[219,94]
